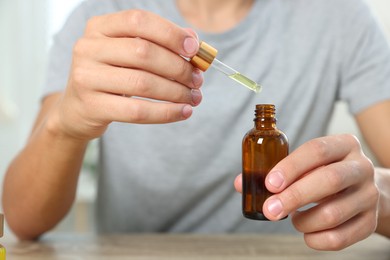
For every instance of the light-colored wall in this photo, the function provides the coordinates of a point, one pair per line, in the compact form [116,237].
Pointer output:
[22,65]
[382,9]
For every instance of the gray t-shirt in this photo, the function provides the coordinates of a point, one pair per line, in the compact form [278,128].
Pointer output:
[179,177]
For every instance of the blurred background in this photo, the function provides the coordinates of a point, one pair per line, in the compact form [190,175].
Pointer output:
[26,30]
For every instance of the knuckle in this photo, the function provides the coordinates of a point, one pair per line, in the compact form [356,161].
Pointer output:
[91,23]
[336,240]
[335,179]
[369,167]
[139,84]
[363,168]
[319,147]
[80,47]
[136,18]
[373,194]
[353,140]
[298,223]
[169,116]
[142,48]
[137,114]
[298,226]
[79,75]
[332,215]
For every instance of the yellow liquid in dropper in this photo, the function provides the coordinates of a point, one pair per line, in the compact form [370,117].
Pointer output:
[246,82]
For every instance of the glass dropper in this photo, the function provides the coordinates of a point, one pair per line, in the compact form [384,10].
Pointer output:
[206,58]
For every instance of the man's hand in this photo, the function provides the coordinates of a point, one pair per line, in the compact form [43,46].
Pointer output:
[333,176]
[123,64]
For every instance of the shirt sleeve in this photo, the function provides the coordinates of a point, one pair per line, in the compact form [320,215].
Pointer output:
[365,70]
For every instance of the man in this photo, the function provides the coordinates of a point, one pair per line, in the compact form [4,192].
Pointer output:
[121,77]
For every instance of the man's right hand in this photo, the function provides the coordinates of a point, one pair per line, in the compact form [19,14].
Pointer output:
[123,67]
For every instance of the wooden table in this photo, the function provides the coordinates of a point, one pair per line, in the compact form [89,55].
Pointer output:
[184,246]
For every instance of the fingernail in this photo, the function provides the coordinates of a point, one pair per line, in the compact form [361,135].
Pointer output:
[275,207]
[275,179]
[186,111]
[190,45]
[197,78]
[196,96]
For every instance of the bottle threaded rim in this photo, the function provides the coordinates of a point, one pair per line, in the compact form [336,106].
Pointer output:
[265,110]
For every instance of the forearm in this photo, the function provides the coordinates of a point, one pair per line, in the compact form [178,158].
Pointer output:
[40,184]
[382,180]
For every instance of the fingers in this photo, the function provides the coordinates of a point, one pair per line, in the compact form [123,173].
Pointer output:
[145,25]
[192,32]
[341,220]
[334,174]
[130,82]
[302,177]
[140,54]
[319,184]
[309,156]
[122,109]
[350,232]
[133,54]
[336,210]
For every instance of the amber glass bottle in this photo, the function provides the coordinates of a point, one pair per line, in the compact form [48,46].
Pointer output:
[262,148]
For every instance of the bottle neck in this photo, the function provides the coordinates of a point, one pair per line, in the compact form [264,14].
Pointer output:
[265,117]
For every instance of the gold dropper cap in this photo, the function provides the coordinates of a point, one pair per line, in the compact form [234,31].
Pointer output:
[205,56]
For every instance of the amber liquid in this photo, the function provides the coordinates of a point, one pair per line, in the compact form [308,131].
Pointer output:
[255,194]
[261,151]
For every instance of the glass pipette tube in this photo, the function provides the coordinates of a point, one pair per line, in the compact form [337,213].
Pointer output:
[206,58]
[235,75]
